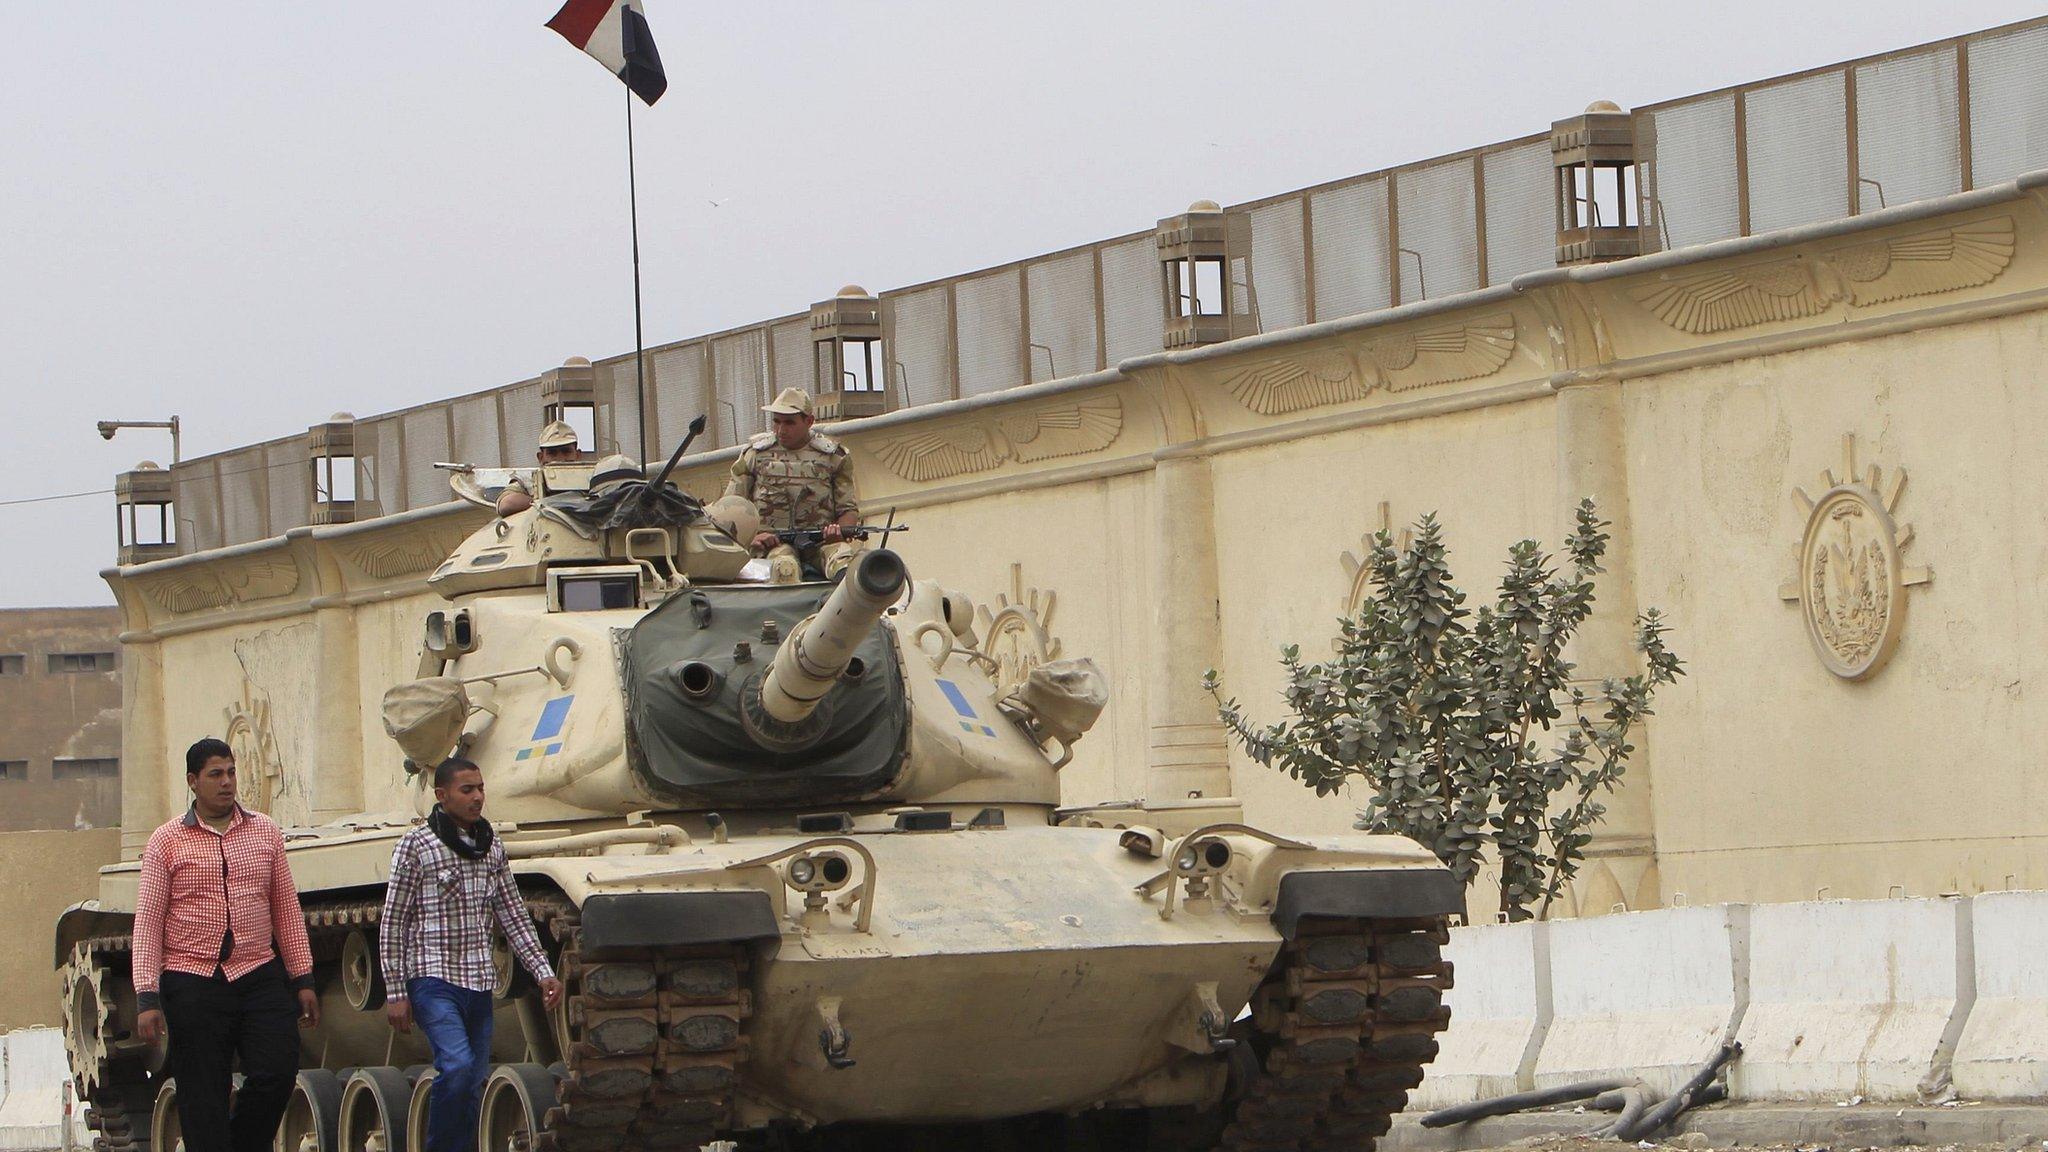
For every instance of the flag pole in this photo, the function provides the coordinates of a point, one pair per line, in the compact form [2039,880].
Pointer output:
[639,341]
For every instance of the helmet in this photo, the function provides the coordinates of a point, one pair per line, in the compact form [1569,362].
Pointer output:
[558,435]
[736,516]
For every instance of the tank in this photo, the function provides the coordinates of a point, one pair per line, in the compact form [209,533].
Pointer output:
[798,854]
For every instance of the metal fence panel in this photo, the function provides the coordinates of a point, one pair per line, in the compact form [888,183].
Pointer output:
[1062,297]
[1521,212]
[989,333]
[616,423]
[917,341]
[681,392]
[2008,105]
[426,441]
[521,407]
[195,490]
[740,365]
[791,342]
[1349,238]
[1687,152]
[288,474]
[1133,300]
[1440,226]
[476,432]
[241,480]
[1279,280]
[1908,136]
[1798,153]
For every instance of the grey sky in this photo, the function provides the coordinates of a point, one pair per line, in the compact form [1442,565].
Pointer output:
[253,214]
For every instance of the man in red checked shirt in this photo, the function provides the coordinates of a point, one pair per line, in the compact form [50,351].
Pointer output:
[220,950]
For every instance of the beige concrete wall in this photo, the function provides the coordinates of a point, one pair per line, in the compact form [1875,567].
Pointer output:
[1775,778]
[41,874]
[1197,508]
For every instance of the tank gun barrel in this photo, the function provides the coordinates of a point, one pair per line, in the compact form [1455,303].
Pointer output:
[819,649]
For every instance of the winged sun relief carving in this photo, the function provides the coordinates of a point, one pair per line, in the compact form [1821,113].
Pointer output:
[1873,272]
[1398,362]
[1025,435]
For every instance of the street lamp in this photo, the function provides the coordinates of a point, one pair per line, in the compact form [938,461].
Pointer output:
[109,427]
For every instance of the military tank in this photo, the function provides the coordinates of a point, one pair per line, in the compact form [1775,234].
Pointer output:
[799,858]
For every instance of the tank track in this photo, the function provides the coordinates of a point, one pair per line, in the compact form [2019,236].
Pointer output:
[651,1044]
[1342,1029]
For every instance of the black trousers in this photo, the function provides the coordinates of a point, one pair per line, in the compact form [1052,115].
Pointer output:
[212,1020]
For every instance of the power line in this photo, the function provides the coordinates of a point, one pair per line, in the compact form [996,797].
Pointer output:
[63,496]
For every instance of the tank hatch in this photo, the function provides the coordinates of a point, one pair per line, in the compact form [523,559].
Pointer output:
[694,670]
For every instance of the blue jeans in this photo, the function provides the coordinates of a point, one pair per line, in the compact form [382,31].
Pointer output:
[457,1024]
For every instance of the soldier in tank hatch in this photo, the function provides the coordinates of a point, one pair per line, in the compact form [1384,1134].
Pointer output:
[799,479]
[558,445]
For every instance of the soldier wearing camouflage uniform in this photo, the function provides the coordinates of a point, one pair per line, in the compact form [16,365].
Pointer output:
[799,479]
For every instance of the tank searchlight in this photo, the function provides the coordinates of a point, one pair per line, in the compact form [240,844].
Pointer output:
[820,647]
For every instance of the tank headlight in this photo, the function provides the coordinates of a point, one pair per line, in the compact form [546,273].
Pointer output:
[802,872]
[1203,857]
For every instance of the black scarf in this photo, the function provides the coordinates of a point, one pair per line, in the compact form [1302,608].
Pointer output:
[451,834]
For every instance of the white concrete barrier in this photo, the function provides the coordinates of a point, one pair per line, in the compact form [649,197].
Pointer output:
[1649,994]
[2003,1052]
[1500,1008]
[1854,998]
[33,1067]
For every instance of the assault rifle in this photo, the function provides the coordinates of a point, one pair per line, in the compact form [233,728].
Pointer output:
[806,538]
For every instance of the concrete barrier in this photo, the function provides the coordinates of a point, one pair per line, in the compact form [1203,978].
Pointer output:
[1854,998]
[2003,1051]
[33,1068]
[1500,1008]
[1649,994]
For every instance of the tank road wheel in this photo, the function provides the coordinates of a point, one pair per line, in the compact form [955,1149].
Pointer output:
[516,1098]
[313,1115]
[416,1111]
[373,1108]
[362,980]
[164,1134]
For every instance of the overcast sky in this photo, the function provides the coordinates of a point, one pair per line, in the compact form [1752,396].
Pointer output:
[254,214]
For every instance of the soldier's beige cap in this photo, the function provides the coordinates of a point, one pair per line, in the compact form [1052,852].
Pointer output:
[790,402]
[558,435]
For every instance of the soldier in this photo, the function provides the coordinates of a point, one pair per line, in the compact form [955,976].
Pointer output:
[799,479]
[557,446]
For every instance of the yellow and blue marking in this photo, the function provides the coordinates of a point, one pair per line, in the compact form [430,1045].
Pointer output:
[552,716]
[969,721]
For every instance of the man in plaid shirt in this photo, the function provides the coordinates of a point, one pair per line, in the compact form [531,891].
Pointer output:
[450,879]
[215,895]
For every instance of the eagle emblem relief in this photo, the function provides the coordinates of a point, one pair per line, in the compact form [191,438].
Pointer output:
[1851,579]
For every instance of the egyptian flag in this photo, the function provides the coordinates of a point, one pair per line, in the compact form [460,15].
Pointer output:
[615,34]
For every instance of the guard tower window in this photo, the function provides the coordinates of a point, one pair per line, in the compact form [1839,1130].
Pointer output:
[334,479]
[1197,286]
[146,524]
[1600,195]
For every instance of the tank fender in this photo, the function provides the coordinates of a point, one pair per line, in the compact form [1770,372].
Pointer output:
[84,920]
[1396,893]
[675,920]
